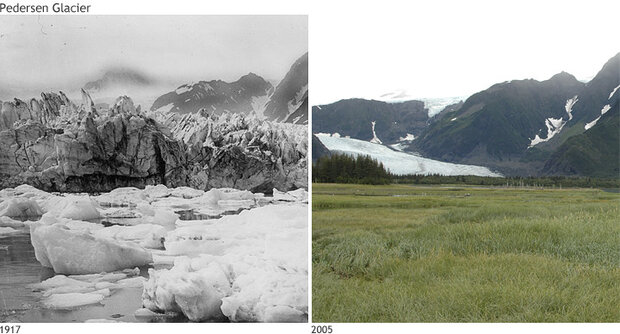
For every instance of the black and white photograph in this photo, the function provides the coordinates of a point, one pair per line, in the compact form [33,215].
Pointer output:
[154,168]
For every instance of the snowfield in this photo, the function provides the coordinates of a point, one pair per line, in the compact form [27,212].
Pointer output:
[400,162]
[222,254]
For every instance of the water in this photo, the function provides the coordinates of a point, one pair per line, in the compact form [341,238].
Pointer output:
[18,303]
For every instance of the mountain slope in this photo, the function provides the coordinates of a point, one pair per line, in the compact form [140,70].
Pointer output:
[496,126]
[355,117]
[289,102]
[596,152]
[216,96]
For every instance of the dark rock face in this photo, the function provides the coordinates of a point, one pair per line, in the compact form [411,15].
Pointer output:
[216,96]
[57,146]
[289,102]
[354,118]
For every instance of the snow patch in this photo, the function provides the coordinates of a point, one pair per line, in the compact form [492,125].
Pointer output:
[408,137]
[569,106]
[374,139]
[613,92]
[591,124]
[554,126]
[605,109]
[184,89]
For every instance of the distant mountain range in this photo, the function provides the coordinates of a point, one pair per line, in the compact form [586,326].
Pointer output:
[216,96]
[559,126]
[251,94]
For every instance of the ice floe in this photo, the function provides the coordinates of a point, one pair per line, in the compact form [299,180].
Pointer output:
[75,252]
[68,292]
[242,256]
[247,267]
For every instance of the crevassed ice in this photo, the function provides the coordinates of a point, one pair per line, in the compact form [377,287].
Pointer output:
[401,162]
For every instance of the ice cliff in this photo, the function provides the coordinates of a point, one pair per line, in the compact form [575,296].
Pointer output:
[57,145]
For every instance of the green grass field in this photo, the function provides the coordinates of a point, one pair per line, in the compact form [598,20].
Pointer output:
[403,253]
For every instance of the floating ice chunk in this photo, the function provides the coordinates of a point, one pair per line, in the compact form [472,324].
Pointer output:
[72,300]
[299,195]
[253,265]
[79,208]
[165,217]
[20,207]
[186,192]
[147,235]
[97,321]
[72,252]
[145,313]
[8,222]
[133,282]
[158,191]
[8,230]
[268,295]
[198,294]
[127,196]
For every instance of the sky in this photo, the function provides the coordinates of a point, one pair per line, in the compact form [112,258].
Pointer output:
[453,48]
[53,52]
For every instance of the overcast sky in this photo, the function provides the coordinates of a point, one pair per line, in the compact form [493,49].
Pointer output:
[52,52]
[454,48]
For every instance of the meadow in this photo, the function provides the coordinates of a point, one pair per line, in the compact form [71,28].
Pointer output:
[402,253]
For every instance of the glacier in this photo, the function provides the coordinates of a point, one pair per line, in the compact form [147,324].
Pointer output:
[400,162]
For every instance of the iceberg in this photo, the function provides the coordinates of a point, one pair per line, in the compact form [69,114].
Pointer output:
[20,207]
[72,252]
[246,267]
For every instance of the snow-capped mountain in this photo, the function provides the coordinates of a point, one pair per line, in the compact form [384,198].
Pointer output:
[216,96]
[289,102]
[520,127]
[399,162]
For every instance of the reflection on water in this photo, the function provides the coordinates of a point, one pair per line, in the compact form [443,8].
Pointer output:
[19,303]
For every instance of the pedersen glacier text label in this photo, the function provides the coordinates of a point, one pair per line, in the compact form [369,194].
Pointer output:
[58,7]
